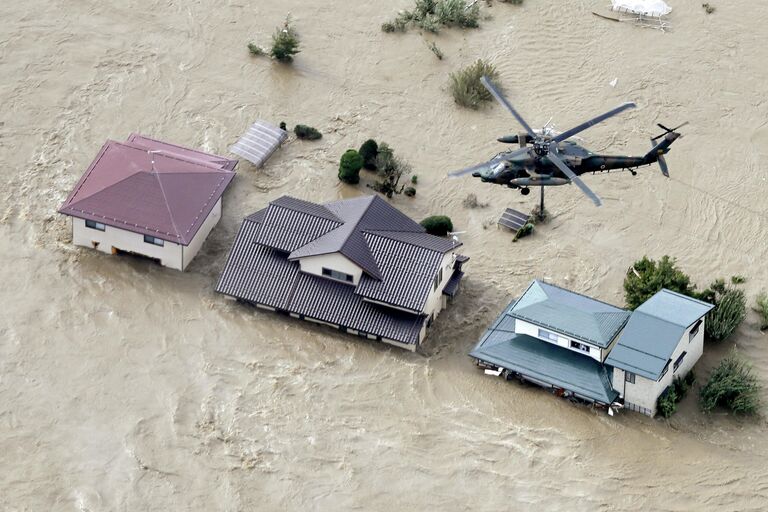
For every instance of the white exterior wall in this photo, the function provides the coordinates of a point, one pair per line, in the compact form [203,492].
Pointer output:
[522,327]
[189,252]
[436,300]
[645,392]
[334,261]
[170,255]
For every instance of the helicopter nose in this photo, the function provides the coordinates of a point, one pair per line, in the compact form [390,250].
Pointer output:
[476,174]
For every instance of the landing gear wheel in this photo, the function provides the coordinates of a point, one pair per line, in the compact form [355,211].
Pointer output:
[525,191]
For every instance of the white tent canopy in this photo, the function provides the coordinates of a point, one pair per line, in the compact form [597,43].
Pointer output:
[643,7]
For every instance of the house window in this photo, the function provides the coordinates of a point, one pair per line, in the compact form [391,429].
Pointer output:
[154,241]
[694,330]
[339,276]
[580,346]
[679,362]
[548,335]
[629,377]
[95,225]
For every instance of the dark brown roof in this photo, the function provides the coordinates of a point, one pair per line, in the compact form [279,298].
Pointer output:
[169,199]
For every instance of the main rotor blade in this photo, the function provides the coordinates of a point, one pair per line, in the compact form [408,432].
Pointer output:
[663,164]
[501,99]
[568,172]
[592,122]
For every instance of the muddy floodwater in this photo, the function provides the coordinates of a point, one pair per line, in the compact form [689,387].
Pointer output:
[126,386]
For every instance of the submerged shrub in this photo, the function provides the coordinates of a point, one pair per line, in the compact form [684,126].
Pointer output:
[646,277]
[255,49]
[438,225]
[666,405]
[390,169]
[732,385]
[285,42]
[762,310]
[349,167]
[409,191]
[305,132]
[730,310]
[465,85]
[368,151]
[431,15]
[471,201]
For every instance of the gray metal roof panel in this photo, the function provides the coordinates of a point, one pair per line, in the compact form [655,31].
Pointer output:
[259,142]
[420,239]
[675,308]
[570,313]
[287,229]
[254,273]
[548,363]
[408,273]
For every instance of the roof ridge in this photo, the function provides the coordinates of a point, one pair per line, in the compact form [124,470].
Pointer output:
[578,293]
[682,296]
[167,206]
[376,232]
[135,134]
[334,218]
[111,185]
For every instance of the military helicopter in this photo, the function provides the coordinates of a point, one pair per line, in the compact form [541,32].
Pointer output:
[547,158]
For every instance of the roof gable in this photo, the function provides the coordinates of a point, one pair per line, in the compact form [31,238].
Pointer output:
[570,313]
[654,331]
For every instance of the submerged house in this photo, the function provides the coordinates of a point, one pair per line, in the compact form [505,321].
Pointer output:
[594,351]
[359,265]
[148,197]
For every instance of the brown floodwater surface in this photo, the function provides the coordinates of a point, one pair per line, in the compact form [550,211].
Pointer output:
[127,386]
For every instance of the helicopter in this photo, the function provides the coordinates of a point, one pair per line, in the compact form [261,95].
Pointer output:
[547,158]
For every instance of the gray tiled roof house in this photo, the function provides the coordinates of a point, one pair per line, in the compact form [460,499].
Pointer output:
[399,266]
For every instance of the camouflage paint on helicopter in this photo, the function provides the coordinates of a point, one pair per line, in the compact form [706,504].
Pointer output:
[547,158]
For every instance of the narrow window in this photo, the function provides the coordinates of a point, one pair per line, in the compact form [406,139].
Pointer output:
[95,225]
[339,276]
[679,362]
[580,346]
[694,330]
[154,241]
[547,335]
[629,377]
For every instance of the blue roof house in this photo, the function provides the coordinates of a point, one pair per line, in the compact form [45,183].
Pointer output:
[594,351]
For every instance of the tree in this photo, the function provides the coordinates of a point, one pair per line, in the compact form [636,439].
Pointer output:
[368,151]
[285,42]
[646,277]
[438,225]
[305,132]
[465,85]
[732,385]
[729,311]
[762,310]
[349,167]
[390,169]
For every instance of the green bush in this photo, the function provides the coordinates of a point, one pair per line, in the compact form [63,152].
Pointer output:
[431,15]
[255,49]
[666,405]
[465,85]
[414,179]
[368,151]
[409,191]
[732,385]
[285,42]
[283,126]
[730,310]
[646,277]
[390,170]
[349,167]
[762,310]
[305,132]
[438,225]
[524,231]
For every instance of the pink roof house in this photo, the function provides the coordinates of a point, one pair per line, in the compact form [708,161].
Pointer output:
[149,197]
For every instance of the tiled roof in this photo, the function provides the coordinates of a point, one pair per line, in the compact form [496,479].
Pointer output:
[653,332]
[542,361]
[570,313]
[258,274]
[168,199]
